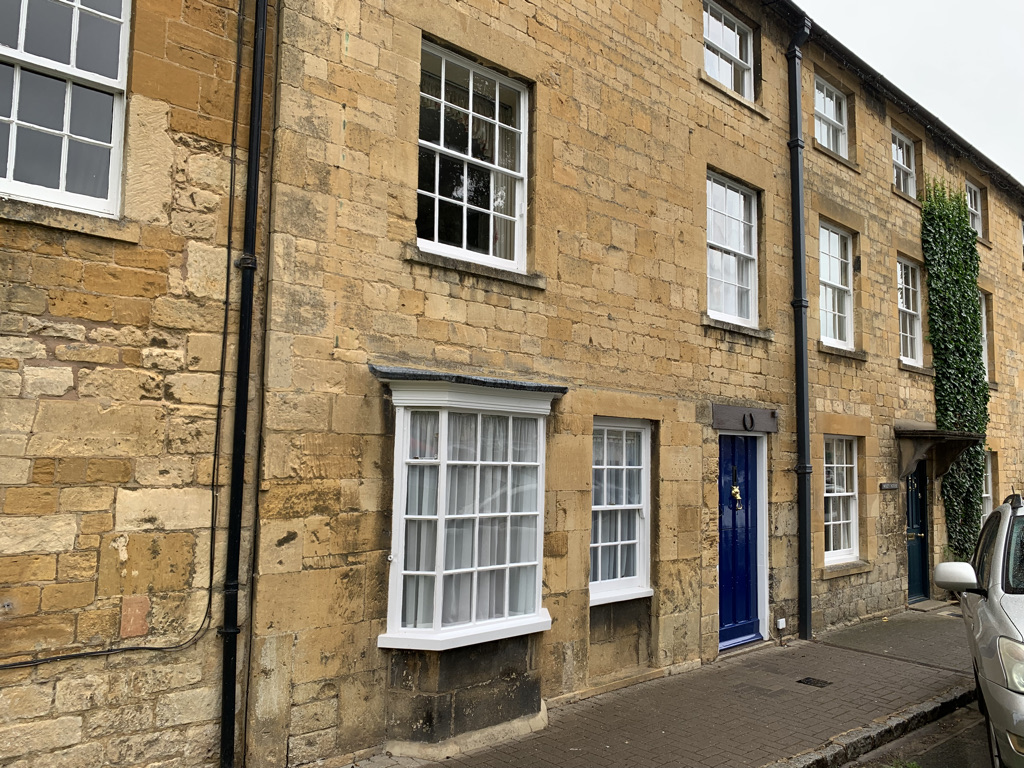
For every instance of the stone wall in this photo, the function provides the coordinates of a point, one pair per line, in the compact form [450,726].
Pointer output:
[110,357]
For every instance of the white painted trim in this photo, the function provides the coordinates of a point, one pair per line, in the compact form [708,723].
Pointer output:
[442,394]
[602,597]
[458,637]
[762,568]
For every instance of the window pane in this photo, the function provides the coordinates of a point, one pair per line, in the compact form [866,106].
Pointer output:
[478,231]
[427,170]
[484,89]
[417,601]
[482,145]
[597,494]
[456,130]
[452,180]
[6,88]
[493,534]
[88,171]
[37,158]
[609,525]
[456,84]
[461,490]
[456,600]
[634,449]
[493,490]
[430,74]
[48,30]
[504,239]
[430,120]
[522,590]
[628,554]
[508,107]
[422,492]
[420,544]
[494,438]
[423,435]
[504,194]
[41,100]
[109,7]
[524,489]
[614,449]
[5,137]
[609,565]
[99,44]
[458,544]
[92,113]
[633,489]
[425,217]
[615,486]
[524,440]
[490,601]
[523,539]
[479,186]
[10,18]
[628,519]
[449,224]
[508,149]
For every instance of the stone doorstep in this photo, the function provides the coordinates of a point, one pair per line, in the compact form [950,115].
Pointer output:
[924,606]
[848,746]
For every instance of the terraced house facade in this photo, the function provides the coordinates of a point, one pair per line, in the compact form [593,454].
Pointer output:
[520,294]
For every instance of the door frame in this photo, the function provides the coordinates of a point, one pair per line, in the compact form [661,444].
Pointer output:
[924,494]
[761,566]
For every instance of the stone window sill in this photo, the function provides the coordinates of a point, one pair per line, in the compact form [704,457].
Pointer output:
[529,281]
[845,569]
[985,241]
[850,354]
[993,386]
[70,221]
[904,196]
[836,156]
[731,94]
[904,366]
[764,334]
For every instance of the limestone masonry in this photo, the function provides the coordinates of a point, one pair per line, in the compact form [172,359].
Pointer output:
[522,415]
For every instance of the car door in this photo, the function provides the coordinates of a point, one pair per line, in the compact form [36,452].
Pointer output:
[982,629]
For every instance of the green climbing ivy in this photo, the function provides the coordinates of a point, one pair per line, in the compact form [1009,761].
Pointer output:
[954,330]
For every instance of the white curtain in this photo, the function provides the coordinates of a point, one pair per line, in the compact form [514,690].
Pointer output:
[522,590]
[421,496]
[418,601]
[523,539]
[462,436]
[524,489]
[423,435]
[493,490]
[456,600]
[461,489]
[494,438]
[493,535]
[490,600]
[458,544]
[420,544]
[524,440]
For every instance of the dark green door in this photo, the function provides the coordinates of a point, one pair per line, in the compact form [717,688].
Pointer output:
[917,534]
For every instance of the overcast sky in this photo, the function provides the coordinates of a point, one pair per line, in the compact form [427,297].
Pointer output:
[963,60]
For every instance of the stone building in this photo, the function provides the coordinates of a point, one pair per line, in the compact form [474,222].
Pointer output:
[523,418]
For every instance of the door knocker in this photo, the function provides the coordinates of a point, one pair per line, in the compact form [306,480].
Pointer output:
[736,491]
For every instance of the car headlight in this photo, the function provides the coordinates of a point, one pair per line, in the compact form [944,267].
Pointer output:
[1011,656]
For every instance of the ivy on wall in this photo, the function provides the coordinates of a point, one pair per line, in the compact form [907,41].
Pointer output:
[954,330]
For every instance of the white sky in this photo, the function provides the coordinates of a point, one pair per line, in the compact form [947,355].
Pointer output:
[963,60]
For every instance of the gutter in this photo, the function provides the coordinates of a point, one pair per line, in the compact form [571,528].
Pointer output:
[247,264]
[801,33]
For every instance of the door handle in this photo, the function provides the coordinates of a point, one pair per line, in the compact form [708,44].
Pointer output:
[912,536]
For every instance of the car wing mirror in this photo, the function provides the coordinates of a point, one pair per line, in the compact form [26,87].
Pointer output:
[958,577]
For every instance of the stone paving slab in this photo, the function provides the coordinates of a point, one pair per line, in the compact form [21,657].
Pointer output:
[749,710]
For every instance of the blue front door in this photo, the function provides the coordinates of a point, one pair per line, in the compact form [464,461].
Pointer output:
[739,620]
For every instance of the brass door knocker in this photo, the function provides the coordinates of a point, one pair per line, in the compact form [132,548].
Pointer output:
[736,491]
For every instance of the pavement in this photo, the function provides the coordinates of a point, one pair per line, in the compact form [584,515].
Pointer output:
[807,704]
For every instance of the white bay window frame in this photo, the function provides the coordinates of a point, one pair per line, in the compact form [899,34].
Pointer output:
[986,488]
[620,511]
[842,543]
[835,272]
[443,625]
[732,252]
[728,50]
[70,130]
[831,118]
[472,162]
[909,299]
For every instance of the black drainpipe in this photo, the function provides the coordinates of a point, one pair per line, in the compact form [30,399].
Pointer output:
[247,264]
[801,33]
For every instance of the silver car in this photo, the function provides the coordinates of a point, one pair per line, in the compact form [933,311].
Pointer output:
[991,589]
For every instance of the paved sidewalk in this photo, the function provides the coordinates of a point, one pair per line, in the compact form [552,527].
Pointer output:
[750,709]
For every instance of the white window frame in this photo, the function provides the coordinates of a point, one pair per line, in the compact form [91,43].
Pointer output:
[909,293]
[636,586]
[826,286]
[740,57]
[973,192]
[833,554]
[904,177]
[445,398]
[831,131]
[983,302]
[110,206]
[518,217]
[721,250]
[986,488]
